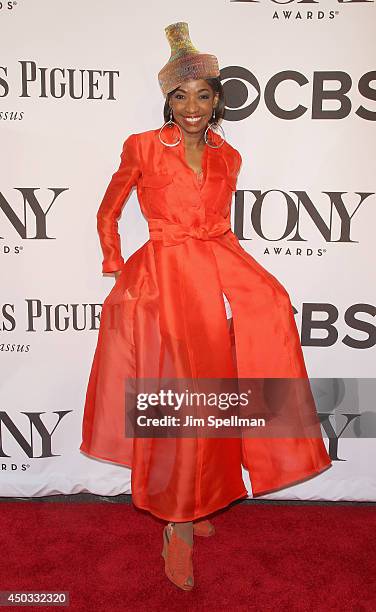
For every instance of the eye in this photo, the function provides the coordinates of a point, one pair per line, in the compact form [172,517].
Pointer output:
[206,96]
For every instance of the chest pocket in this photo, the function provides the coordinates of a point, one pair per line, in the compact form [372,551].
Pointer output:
[230,185]
[156,181]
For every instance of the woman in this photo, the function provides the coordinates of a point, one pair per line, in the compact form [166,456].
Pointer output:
[191,304]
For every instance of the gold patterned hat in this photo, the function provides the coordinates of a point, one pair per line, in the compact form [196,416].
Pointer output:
[185,62]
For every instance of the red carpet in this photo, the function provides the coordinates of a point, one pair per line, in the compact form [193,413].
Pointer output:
[263,557]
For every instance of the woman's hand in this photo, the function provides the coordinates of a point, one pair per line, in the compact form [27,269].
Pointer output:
[116,274]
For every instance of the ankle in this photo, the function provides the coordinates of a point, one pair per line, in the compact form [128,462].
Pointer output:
[184,531]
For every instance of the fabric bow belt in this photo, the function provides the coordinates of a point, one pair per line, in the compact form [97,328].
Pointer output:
[175,233]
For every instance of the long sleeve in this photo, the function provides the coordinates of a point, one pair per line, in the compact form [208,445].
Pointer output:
[122,181]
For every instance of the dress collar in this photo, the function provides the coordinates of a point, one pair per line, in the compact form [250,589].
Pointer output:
[213,161]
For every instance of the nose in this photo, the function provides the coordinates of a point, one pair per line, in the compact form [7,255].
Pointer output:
[191,106]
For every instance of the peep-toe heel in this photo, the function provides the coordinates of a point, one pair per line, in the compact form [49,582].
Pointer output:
[177,554]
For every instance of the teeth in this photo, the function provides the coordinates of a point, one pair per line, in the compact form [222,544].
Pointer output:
[193,119]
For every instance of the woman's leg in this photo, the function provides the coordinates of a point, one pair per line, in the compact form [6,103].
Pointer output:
[204,526]
[184,531]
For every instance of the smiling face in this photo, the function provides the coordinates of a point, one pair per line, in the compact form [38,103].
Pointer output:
[192,105]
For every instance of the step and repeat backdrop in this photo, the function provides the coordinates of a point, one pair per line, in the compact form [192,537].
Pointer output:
[75,80]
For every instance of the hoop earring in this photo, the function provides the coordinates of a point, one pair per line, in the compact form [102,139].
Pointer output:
[170,123]
[216,126]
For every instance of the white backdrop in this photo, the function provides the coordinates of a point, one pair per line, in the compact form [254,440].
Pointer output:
[75,80]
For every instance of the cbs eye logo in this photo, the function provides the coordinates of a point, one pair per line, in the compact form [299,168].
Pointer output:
[242,92]
[328,93]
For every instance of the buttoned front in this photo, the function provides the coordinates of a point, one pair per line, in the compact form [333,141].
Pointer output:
[166,188]
[165,319]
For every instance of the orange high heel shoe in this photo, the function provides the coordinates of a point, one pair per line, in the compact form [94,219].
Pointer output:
[177,554]
[203,528]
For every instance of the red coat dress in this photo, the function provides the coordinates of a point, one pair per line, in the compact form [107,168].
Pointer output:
[171,322]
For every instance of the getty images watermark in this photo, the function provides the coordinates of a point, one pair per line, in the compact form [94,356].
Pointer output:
[223,408]
[177,401]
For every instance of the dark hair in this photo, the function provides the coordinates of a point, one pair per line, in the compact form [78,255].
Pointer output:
[216,86]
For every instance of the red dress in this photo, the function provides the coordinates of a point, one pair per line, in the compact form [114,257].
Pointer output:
[171,322]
